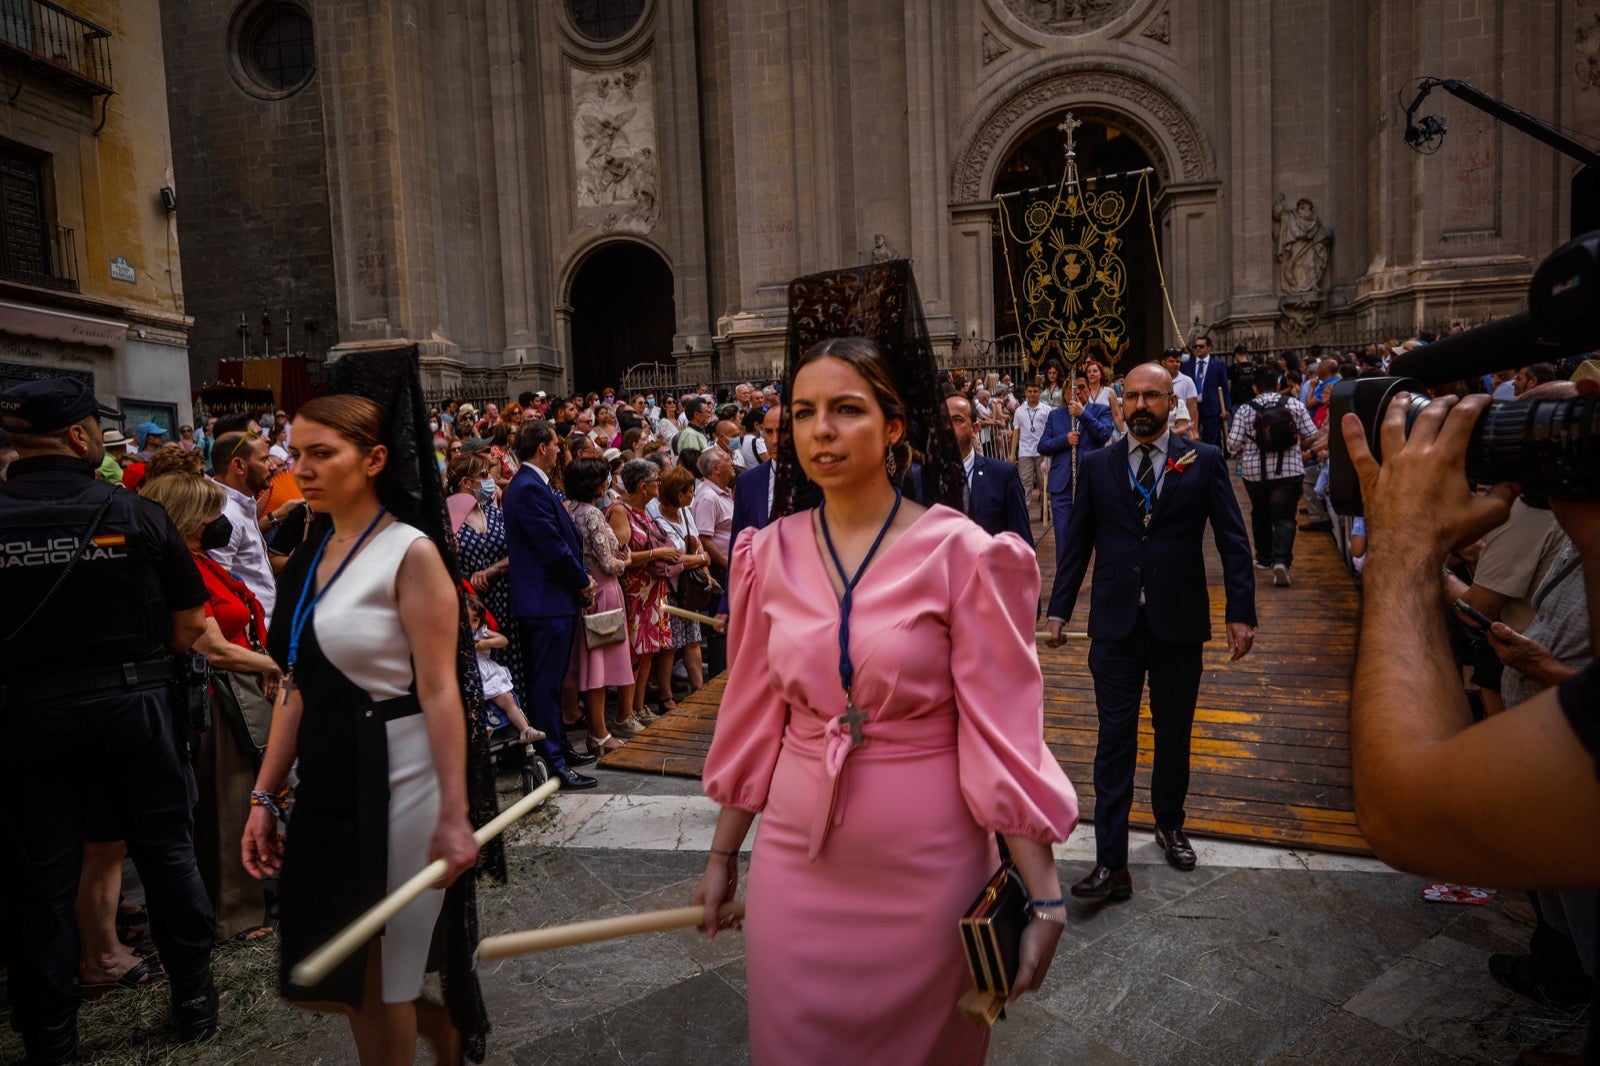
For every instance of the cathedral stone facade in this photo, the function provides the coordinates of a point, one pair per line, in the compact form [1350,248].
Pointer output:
[543,193]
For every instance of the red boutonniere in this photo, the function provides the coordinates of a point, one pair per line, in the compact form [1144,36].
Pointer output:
[1177,466]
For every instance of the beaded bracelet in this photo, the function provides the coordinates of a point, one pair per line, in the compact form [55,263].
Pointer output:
[1047,903]
[277,802]
[1045,916]
[724,854]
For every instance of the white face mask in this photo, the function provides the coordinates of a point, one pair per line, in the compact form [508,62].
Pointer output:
[486,489]
[433,427]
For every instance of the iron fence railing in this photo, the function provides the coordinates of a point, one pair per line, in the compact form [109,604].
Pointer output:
[58,40]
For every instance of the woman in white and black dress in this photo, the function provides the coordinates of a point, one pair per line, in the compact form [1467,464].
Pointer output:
[367,625]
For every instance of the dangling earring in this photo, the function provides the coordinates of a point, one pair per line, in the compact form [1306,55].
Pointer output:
[888,462]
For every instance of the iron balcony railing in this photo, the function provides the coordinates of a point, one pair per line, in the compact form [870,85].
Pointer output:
[57,43]
[46,257]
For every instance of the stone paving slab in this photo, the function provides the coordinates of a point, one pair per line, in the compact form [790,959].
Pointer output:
[1281,961]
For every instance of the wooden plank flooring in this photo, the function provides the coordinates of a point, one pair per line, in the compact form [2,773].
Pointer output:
[1270,753]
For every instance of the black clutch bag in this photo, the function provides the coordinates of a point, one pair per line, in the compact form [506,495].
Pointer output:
[991,930]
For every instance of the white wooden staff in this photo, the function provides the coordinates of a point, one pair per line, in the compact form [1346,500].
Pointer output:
[565,936]
[703,619]
[321,962]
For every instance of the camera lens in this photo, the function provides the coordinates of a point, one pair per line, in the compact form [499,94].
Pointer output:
[1550,446]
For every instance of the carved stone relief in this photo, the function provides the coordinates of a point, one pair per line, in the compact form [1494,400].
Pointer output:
[1586,43]
[1067,16]
[993,47]
[1194,159]
[614,148]
[1160,27]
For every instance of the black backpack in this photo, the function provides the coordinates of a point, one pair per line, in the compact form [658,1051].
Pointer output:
[1275,430]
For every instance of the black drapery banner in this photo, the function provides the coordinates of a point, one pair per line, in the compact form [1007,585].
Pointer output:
[1064,260]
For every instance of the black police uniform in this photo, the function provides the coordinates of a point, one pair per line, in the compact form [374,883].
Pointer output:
[93,741]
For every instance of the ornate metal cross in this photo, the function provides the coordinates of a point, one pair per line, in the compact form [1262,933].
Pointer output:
[1067,127]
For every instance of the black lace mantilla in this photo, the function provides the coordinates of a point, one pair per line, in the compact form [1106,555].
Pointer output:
[878,301]
[410,488]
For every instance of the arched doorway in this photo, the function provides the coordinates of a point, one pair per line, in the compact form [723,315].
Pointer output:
[622,313]
[1038,159]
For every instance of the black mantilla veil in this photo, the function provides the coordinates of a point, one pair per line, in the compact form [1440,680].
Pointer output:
[412,490]
[878,301]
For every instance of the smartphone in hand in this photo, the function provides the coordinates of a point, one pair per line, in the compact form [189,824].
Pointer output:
[1477,617]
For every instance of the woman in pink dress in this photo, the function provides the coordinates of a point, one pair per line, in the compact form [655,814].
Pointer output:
[605,559]
[872,845]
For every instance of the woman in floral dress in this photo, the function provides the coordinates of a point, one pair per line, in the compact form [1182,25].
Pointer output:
[644,582]
[485,559]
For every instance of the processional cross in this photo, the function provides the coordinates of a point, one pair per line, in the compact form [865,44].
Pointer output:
[1067,127]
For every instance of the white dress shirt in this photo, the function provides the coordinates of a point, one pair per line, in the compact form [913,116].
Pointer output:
[245,555]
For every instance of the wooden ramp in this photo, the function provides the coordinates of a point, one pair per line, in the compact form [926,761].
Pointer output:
[1270,757]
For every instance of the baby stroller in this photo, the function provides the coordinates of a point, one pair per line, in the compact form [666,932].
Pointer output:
[508,751]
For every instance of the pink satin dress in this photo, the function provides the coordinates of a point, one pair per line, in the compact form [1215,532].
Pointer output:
[865,857]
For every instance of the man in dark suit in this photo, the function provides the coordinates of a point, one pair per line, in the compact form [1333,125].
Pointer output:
[994,497]
[1074,424]
[1210,378]
[549,588]
[752,491]
[1142,510]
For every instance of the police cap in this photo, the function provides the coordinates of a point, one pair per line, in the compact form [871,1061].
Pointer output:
[53,404]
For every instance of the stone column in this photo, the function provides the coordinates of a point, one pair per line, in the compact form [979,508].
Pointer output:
[1249,115]
[970,238]
[372,70]
[684,216]
[1187,218]
[929,97]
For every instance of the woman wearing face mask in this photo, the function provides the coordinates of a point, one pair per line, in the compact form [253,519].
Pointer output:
[225,761]
[481,535]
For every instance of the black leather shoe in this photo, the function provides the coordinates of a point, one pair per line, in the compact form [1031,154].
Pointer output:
[1175,845]
[574,757]
[1105,883]
[195,1011]
[570,778]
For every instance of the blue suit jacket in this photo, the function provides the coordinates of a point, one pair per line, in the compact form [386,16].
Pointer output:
[1164,560]
[998,503]
[1215,397]
[547,572]
[1096,426]
[749,508]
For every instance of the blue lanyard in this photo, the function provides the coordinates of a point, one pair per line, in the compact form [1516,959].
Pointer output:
[304,608]
[847,670]
[1154,490]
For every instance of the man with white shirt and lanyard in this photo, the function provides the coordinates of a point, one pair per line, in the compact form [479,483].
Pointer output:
[242,471]
[1028,425]
[1141,511]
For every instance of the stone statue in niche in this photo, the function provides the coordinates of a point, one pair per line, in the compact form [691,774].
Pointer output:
[1303,245]
[613,130]
[882,251]
[1067,16]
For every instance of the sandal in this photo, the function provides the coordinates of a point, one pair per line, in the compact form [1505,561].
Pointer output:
[143,972]
[530,734]
[603,745]
[667,706]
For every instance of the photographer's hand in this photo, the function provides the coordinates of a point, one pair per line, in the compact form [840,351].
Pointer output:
[1418,502]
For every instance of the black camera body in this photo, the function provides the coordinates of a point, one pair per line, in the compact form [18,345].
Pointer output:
[1550,446]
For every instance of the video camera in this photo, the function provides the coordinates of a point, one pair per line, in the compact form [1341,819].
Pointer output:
[1552,447]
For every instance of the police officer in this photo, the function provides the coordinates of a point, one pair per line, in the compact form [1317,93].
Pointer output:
[93,743]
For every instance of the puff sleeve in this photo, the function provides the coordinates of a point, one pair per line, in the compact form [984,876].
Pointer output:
[1011,782]
[751,718]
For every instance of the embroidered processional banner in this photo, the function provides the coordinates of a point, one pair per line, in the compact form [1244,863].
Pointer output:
[1064,260]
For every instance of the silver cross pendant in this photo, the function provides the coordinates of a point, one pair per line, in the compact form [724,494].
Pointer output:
[853,717]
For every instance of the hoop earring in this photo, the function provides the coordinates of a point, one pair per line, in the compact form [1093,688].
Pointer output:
[888,462]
